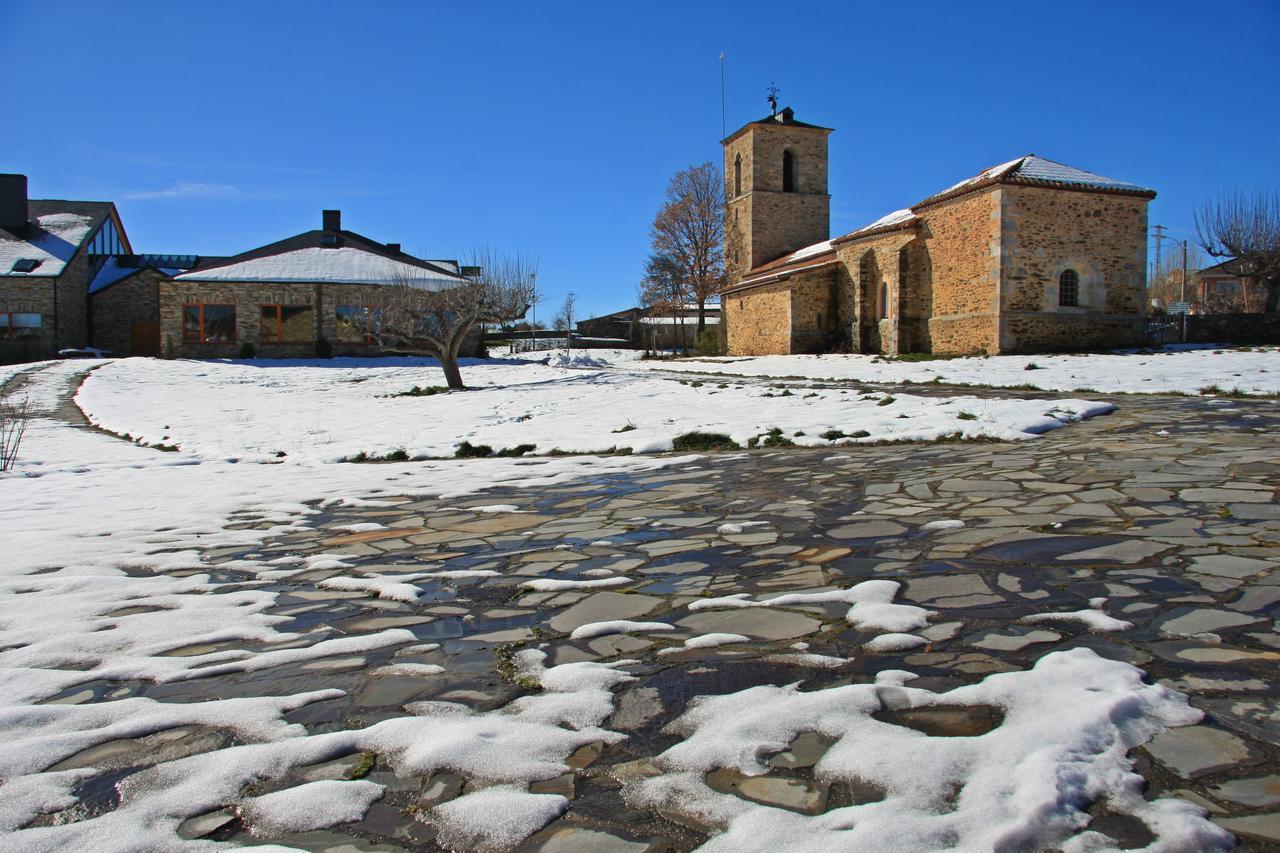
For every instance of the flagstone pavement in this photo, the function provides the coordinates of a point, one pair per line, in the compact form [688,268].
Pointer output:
[1163,515]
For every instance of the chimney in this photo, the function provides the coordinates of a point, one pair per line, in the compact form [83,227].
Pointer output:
[332,220]
[394,247]
[13,202]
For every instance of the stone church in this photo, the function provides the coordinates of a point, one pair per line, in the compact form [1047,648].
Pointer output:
[1027,256]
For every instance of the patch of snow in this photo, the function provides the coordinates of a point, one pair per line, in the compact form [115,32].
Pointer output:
[872,606]
[53,243]
[1093,620]
[555,585]
[1069,724]
[894,643]
[338,265]
[313,805]
[943,524]
[496,818]
[616,626]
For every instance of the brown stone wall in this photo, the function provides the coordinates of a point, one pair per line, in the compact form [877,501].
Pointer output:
[116,311]
[1100,236]
[73,303]
[799,315]
[248,297]
[759,320]
[959,269]
[28,296]
[868,263]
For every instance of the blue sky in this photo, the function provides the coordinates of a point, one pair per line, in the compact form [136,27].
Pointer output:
[552,128]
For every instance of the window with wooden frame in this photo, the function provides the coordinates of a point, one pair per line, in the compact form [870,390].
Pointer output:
[208,324]
[287,324]
[358,324]
[14,326]
[1068,289]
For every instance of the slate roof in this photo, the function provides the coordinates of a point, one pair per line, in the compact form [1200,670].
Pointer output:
[1038,171]
[351,259]
[56,229]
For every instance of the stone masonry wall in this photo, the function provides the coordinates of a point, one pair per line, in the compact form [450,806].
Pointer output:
[759,320]
[959,265]
[28,296]
[868,263]
[116,311]
[1103,238]
[73,303]
[249,297]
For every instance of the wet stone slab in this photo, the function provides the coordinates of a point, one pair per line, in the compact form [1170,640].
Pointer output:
[1176,536]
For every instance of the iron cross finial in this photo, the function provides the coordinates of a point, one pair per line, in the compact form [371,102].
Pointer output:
[773,98]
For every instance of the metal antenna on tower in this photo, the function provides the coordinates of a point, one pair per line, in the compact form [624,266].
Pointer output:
[722,130]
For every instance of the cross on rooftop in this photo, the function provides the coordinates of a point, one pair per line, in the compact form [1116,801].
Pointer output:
[773,98]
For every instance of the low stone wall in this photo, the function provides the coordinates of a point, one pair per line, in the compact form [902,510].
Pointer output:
[1233,328]
[1051,332]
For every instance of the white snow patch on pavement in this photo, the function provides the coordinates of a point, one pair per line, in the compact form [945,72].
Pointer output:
[1069,723]
[872,606]
[1093,620]
[313,805]
[616,626]
[496,818]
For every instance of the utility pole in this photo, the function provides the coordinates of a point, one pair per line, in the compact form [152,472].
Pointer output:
[1159,229]
[1183,293]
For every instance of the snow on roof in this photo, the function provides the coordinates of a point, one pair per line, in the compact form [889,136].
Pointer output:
[1039,169]
[985,175]
[341,265]
[809,251]
[52,243]
[898,217]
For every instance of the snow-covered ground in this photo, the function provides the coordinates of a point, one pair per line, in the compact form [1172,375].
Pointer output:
[101,537]
[326,411]
[1177,369]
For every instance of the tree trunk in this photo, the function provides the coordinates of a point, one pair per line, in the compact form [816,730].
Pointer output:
[1273,295]
[452,373]
[702,317]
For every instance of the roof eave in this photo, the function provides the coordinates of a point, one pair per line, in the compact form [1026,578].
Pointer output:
[855,236]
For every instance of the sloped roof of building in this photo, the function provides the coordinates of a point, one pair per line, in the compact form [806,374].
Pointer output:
[119,267]
[802,260]
[56,229]
[1029,170]
[784,116]
[350,258]
[1038,171]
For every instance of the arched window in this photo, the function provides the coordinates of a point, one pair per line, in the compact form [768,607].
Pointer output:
[737,175]
[884,300]
[788,172]
[1068,289]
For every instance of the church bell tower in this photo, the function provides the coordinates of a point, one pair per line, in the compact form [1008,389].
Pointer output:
[776,198]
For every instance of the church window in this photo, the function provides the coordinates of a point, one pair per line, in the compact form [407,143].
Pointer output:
[1068,289]
[737,176]
[788,172]
[884,300]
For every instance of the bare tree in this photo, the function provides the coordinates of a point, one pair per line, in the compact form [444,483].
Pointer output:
[426,313]
[13,425]
[564,320]
[1246,228]
[689,231]
[664,291]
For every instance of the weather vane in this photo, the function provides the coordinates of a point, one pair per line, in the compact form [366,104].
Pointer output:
[773,98]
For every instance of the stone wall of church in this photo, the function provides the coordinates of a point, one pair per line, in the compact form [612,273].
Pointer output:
[1102,237]
[959,265]
[758,320]
[799,315]
[874,261]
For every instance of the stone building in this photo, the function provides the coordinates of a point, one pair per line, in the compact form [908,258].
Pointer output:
[69,279]
[281,298]
[50,252]
[1030,255]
